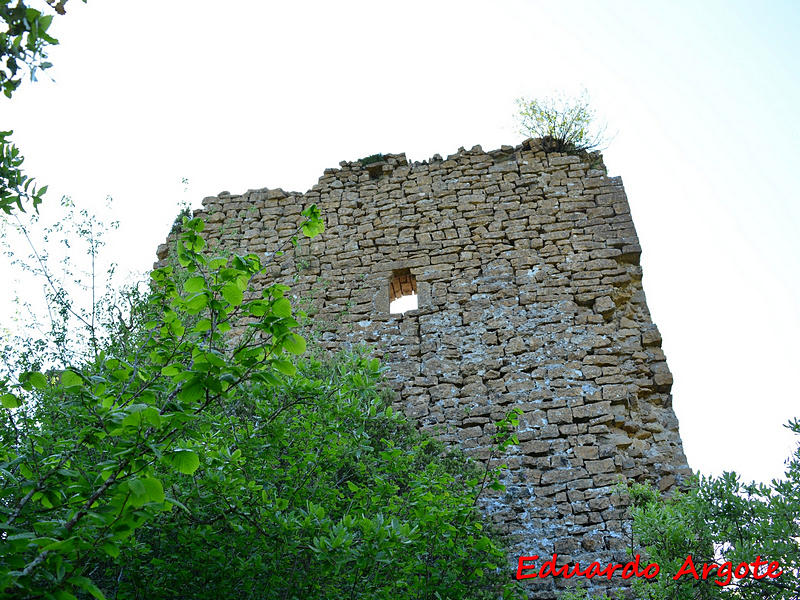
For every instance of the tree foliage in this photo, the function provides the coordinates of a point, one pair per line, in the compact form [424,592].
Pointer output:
[315,488]
[720,520]
[176,459]
[15,185]
[24,41]
[562,124]
[81,453]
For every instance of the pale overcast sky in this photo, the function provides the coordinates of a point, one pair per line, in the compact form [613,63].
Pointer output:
[702,96]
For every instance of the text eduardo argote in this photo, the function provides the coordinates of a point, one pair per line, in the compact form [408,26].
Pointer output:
[723,573]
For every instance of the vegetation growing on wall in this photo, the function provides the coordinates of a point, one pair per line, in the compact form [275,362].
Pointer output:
[372,158]
[563,124]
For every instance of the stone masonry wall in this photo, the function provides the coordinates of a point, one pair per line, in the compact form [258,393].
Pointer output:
[526,267]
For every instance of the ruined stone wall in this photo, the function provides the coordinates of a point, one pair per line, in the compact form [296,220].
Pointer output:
[526,267]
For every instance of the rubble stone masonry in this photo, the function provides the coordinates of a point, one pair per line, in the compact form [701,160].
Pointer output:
[526,266]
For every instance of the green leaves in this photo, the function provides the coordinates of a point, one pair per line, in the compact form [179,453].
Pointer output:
[184,461]
[71,380]
[196,303]
[31,380]
[282,308]
[232,294]
[314,225]
[284,366]
[23,48]
[23,43]
[294,343]
[15,185]
[141,414]
[301,461]
[144,490]
[724,520]
[302,466]
[194,284]
[85,584]
[10,401]
[561,124]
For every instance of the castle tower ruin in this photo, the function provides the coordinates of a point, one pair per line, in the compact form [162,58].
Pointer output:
[525,265]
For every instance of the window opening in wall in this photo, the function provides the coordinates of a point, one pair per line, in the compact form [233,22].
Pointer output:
[402,292]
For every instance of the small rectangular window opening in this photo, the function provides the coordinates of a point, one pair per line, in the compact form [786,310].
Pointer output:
[402,292]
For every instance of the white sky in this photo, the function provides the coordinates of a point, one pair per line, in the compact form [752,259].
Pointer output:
[404,304]
[703,97]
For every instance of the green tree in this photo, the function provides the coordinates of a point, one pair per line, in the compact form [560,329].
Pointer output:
[24,41]
[563,124]
[83,443]
[174,459]
[721,521]
[315,488]
[15,185]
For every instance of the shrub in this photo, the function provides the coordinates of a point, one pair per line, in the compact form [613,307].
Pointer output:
[562,124]
[315,488]
[721,520]
[172,460]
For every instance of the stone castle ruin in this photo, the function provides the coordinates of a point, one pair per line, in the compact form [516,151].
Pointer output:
[525,266]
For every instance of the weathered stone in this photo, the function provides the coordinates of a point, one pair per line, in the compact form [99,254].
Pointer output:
[600,466]
[651,336]
[586,452]
[525,266]
[604,305]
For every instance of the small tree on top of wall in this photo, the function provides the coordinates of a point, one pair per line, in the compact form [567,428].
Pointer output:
[563,124]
